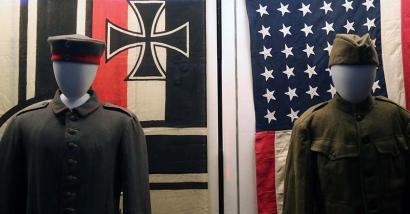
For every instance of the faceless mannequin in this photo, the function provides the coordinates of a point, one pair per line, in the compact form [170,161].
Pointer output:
[74,79]
[354,82]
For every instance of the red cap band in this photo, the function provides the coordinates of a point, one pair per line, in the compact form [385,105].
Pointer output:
[76,58]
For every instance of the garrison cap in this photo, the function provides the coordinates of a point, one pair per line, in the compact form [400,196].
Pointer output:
[350,49]
[76,48]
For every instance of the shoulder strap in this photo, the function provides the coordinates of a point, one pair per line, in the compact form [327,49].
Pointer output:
[34,107]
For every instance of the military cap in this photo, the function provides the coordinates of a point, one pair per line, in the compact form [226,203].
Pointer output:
[76,48]
[350,49]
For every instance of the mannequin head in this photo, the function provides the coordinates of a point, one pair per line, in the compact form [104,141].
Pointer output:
[354,82]
[74,79]
[75,61]
[353,62]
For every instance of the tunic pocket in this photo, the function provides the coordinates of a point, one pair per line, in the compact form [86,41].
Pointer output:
[392,166]
[390,146]
[336,166]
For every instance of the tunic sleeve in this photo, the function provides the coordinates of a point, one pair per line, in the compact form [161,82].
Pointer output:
[12,172]
[299,195]
[407,131]
[134,170]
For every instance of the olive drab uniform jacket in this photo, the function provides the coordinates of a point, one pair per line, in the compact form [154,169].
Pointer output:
[349,159]
[57,161]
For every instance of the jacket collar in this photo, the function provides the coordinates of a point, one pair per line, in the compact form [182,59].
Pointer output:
[362,107]
[90,106]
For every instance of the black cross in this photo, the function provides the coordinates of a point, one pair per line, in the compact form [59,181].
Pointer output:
[146,67]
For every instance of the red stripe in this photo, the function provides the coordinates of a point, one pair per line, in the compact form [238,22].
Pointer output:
[76,58]
[405,21]
[265,172]
[109,83]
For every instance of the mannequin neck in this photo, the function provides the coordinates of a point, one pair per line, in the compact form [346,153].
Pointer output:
[74,103]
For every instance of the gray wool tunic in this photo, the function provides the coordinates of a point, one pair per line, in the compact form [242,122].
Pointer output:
[55,160]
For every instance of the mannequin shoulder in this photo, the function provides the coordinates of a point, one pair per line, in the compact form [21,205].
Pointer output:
[389,103]
[112,107]
[34,107]
[311,111]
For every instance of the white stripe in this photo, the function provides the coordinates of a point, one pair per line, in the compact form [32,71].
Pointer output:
[392,49]
[81,11]
[179,202]
[145,98]
[282,140]
[175,131]
[9,54]
[31,48]
[178,178]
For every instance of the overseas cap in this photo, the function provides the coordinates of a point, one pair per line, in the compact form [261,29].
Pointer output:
[350,49]
[76,48]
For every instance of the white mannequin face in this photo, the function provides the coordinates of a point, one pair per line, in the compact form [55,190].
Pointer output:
[354,82]
[74,79]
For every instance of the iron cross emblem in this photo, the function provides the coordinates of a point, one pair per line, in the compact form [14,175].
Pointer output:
[148,39]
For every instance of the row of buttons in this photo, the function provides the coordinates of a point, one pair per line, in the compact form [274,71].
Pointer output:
[71,179]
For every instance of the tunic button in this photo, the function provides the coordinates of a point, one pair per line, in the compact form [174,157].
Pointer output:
[72,162]
[72,131]
[69,210]
[73,117]
[366,140]
[71,178]
[72,145]
[70,195]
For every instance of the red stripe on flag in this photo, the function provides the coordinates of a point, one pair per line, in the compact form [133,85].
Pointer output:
[405,21]
[265,172]
[109,83]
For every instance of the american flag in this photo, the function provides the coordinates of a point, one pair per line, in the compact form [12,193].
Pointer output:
[290,45]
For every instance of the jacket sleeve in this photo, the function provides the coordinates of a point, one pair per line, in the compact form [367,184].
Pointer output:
[12,172]
[134,170]
[407,131]
[407,208]
[299,195]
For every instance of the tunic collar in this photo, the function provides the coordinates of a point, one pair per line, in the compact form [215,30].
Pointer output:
[362,107]
[90,106]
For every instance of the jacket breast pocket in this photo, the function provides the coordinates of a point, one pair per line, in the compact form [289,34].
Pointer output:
[392,163]
[336,163]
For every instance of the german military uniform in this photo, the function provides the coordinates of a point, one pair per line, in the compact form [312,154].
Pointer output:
[347,158]
[55,160]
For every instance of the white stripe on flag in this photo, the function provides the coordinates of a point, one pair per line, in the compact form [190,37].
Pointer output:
[9,54]
[180,202]
[392,49]
[178,178]
[145,98]
[31,48]
[282,140]
[81,11]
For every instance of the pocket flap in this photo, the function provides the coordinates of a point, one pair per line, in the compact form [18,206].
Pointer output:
[388,146]
[334,149]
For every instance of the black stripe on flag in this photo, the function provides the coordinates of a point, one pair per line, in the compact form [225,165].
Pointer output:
[169,154]
[22,87]
[178,186]
[186,77]
[89,18]
[53,18]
